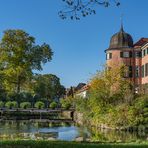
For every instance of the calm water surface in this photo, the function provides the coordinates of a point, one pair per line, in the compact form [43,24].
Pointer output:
[62,131]
[43,131]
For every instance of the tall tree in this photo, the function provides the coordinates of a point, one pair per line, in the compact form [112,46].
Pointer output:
[19,56]
[110,86]
[48,86]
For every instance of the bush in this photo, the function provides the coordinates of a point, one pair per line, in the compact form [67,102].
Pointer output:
[53,105]
[14,104]
[25,105]
[39,105]
[11,104]
[65,103]
[1,104]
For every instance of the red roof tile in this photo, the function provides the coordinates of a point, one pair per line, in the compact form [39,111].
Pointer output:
[141,42]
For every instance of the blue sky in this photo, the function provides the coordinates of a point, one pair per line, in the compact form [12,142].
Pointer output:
[78,45]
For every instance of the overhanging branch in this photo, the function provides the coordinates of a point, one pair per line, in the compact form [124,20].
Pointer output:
[75,9]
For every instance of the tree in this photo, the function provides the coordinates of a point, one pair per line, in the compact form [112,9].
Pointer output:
[19,57]
[11,104]
[53,105]
[25,105]
[108,98]
[39,105]
[109,85]
[66,103]
[77,8]
[48,86]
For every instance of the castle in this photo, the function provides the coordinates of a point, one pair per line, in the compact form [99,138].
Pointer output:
[122,50]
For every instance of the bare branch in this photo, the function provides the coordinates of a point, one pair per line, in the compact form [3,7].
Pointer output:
[75,9]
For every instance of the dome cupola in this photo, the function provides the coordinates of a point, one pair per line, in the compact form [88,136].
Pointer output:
[121,40]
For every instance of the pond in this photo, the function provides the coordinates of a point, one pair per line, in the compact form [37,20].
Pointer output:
[32,130]
[24,130]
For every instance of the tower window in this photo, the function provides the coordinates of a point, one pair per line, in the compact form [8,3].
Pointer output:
[137,71]
[143,53]
[121,54]
[146,69]
[108,56]
[142,70]
[125,54]
[137,54]
[130,71]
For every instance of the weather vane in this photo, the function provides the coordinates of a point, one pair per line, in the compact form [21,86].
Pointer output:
[121,19]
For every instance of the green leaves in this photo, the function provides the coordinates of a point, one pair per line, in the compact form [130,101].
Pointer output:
[39,105]
[1,104]
[112,102]
[25,105]
[48,86]
[53,105]
[40,55]
[19,56]
[11,104]
[65,103]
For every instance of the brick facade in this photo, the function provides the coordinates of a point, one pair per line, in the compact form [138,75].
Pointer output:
[134,56]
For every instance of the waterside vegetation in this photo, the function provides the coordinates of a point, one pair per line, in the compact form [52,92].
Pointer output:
[112,103]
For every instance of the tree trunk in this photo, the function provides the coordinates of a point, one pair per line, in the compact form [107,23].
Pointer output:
[18,85]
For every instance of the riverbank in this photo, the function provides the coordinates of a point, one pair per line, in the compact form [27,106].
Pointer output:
[80,120]
[62,144]
[120,116]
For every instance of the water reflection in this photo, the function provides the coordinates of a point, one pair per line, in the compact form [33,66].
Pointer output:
[38,130]
[106,135]
[10,130]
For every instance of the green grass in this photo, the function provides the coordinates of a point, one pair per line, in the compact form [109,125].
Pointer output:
[62,144]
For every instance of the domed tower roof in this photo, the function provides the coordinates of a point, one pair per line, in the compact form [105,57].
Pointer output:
[121,40]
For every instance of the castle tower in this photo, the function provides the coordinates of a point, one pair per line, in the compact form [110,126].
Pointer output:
[121,51]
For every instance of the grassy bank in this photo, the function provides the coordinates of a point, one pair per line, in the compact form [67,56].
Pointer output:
[61,144]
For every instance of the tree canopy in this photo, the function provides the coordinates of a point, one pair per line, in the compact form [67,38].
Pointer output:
[48,86]
[19,56]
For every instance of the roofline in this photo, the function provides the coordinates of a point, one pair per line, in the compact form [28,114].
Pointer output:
[141,39]
[143,46]
[118,48]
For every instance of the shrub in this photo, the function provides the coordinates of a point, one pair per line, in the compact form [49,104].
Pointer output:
[53,105]
[65,103]
[1,104]
[11,104]
[25,105]
[39,105]
[14,104]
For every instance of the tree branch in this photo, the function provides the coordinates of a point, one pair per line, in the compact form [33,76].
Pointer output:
[82,8]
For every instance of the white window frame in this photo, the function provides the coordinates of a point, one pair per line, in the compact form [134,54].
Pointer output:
[108,55]
[126,54]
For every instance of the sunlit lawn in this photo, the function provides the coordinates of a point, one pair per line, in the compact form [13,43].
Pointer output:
[61,144]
